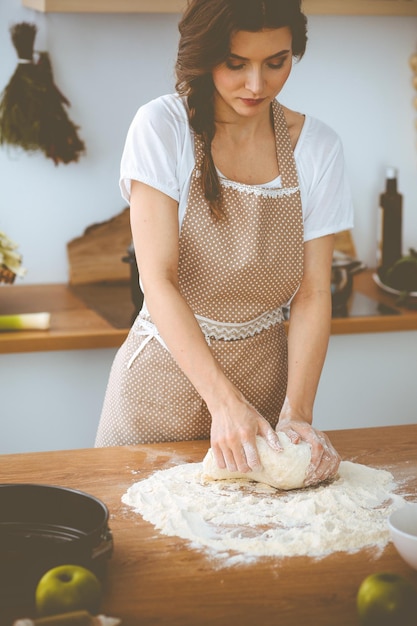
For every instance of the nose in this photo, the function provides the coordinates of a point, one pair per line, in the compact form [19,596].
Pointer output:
[254,80]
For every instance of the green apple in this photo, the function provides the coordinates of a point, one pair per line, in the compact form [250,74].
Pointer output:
[387,599]
[68,588]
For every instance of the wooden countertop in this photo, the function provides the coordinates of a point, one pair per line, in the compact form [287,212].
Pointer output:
[154,579]
[99,315]
[75,324]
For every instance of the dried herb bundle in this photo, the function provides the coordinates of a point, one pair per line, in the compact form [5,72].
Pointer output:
[32,109]
[10,260]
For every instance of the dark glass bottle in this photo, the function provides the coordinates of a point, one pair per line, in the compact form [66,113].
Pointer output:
[390,233]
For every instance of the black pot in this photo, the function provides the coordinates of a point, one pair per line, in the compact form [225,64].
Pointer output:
[43,526]
[343,270]
[135,290]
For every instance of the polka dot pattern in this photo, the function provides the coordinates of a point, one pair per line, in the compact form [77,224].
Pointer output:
[232,270]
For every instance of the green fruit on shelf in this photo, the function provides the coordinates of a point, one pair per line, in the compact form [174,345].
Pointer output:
[403,274]
[387,599]
[68,588]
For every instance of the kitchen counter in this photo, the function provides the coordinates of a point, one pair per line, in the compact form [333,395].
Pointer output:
[161,580]
[75,323]
[99,315]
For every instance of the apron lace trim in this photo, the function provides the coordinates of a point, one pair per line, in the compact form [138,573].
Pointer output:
[230,331]
[256,190]
[212,329]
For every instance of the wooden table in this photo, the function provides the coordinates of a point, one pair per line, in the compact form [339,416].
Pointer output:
[160,580]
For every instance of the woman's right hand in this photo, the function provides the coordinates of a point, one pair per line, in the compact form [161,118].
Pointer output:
[234,428]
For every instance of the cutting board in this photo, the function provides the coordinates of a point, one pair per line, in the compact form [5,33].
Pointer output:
[97,255]
[344,243]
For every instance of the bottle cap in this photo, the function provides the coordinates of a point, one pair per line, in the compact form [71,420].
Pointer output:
[391,172]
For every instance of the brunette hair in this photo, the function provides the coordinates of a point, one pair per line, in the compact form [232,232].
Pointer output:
[205,30]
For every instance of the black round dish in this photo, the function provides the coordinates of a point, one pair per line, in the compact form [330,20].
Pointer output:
[42,526]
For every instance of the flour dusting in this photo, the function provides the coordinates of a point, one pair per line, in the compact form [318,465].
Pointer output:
[250,520]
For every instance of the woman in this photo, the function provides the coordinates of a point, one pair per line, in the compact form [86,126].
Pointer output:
[234,201]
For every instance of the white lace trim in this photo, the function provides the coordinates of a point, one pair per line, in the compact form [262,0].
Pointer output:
[257,190]
[229,331]
[226,331]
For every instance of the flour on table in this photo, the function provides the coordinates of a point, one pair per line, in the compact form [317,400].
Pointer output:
[284,470]
[241,520]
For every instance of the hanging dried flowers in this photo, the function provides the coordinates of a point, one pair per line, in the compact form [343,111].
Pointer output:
[32,109]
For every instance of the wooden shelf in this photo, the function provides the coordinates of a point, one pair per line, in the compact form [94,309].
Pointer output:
[311,7]
[74,324]
[106,6]
[360,7]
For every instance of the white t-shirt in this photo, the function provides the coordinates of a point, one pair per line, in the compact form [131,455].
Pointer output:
[159,151]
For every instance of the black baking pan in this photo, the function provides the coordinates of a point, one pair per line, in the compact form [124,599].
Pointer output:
[42,526]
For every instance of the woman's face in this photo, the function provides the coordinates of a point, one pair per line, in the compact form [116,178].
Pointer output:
[254,73]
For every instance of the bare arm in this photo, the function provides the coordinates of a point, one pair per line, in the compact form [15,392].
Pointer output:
[308,338]
[235,423]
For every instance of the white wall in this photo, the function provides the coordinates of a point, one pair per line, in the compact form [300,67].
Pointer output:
[355,76]
[51,400]
[368,380]
[106,66]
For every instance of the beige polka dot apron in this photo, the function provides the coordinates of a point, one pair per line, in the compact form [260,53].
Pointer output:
[235,273]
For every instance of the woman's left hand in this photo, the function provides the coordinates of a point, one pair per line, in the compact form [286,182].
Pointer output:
[325,460]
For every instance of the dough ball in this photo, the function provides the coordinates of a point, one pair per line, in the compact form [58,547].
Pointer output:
[282,470]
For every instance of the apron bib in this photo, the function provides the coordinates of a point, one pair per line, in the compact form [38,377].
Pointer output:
[235,273]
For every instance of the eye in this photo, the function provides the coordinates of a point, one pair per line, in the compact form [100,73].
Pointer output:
[234,65]
[277,65]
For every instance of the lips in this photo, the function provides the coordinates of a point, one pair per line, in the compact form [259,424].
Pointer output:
[252,101]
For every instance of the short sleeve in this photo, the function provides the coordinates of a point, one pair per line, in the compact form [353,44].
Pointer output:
[326,194]
[152,150]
